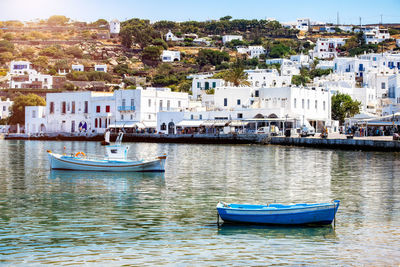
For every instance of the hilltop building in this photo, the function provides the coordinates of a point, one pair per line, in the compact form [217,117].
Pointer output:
[115,27]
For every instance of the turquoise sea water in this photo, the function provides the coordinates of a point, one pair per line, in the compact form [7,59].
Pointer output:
[92,218]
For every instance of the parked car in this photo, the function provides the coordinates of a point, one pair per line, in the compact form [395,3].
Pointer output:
[272,130]
[307,131]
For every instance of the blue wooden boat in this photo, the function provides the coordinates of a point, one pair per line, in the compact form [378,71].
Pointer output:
[319,213]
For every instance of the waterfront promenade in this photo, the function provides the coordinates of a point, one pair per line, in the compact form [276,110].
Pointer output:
[334,140]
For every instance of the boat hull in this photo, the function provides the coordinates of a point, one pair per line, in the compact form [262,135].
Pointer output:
[60,162]
[299,214]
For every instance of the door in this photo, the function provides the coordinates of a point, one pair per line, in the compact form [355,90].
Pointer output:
[171,128]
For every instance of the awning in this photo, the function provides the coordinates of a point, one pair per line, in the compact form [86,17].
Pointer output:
[219,123]
[379,123]
[189,123]
[150,124]
[127,124]
[238,123]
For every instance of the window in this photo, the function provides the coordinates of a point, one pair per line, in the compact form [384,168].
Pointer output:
[63,107]
[316,104]
[163,127]
[98,109]
[149,117]
[257,93]
[4,108]
[225,102]
[86,107]
[73,107]
[191,116]
[122,117]
[107,109]
[161,104]
[149,102]
[123,102]
[33,114]
[240,115]
[200,117]
[323,105]
[95,123]
[295,103]
[131,117]
[99,123]
[198,84]
[214,84]
[179,103]
[51,107]
[168,104]
[238,102]
[383,85]
[308,103]
[302,103]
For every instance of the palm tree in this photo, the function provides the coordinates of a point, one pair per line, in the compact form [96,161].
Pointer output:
[237,76]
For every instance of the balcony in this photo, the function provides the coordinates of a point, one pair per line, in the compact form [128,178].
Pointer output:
[126,108]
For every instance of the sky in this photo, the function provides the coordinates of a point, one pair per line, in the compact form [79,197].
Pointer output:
[370,11]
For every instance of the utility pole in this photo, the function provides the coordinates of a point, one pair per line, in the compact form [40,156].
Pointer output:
[360,22]
[337,19]
[381,19]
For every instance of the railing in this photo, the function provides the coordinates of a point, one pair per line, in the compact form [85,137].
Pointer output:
[126,108]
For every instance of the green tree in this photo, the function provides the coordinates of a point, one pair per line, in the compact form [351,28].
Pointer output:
[212,57]
[160,42]
[226,18]
[57,20]
[344,107]
[100,22]
[236,76]
[299,80]
[279,51]
[18,107]
[152,53]
[138,31]
[41,63]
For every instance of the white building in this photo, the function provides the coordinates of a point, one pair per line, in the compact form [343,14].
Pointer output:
[115,27]
[267,78]
[201,85]
[376,35]
[78,67]
[252,51]
[303,60]
[32,81]
[139,108]
[5,108]
[398,42]
[229,38]
[237,103]
[303,24]
[327,47]
[170,56]
[256,51]
[102,68]
[21,67]
[172,38]
[79,112]
[35,119]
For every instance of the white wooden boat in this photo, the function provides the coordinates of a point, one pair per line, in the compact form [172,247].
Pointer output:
[114,160]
